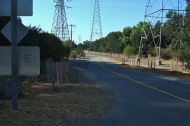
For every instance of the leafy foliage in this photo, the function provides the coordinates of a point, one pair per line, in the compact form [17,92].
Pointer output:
[185,55]
[50,45]
[73,55]
[175,26]
[129,50]
[77,53]
[127,41]
[4,78]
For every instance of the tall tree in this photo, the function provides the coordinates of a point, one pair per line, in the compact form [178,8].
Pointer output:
[115,42]
[86,44]
[137,33]
[126,36]
[187,25]
[50,45]
[185,53]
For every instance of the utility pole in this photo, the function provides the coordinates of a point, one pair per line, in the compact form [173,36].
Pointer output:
[72,32]
[79,38]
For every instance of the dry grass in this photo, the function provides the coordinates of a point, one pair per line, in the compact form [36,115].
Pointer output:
[70,104]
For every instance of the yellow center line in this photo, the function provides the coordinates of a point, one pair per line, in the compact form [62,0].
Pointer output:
[144,84]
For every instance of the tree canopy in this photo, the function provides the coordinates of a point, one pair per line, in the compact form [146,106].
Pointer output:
[50,45]
[174,37]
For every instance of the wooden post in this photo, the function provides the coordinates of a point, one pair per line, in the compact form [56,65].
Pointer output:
[176,64]
[151,64]
[131,62]
[62,74]
[154,63]
[134,62]
[67,74]
[148,64]
[53,77]
[138,62]
[172,64]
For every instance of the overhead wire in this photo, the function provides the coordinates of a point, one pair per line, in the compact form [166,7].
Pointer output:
[114,8]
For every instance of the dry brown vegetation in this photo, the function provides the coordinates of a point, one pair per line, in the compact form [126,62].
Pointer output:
[170,68]
[70,104]
[172,73]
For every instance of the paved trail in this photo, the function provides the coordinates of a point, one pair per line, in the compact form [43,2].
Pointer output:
[145,99]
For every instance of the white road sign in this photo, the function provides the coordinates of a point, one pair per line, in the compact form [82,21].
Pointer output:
[28,60]
[25,7]
[22,31]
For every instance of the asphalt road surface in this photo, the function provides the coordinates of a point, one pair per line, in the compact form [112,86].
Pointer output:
[144,99]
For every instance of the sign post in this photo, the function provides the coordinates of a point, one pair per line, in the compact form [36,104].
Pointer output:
[14,65]
[15,8]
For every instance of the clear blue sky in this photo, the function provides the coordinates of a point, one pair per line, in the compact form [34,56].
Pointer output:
[115,15]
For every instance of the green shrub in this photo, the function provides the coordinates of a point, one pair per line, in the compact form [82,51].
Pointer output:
[7,78]
[129,50]
[82,54]
[4,78]
[73,55]
[185,55]
[173,51]
[151,50]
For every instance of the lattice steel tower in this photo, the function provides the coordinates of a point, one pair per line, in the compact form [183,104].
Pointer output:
[156,14]
[60,26]
[96,31]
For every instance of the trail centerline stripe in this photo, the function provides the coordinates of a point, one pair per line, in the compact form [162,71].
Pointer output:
[144,84]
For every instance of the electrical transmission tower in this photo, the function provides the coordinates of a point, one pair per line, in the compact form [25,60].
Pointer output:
[96,31]
[60,26]
[157,13]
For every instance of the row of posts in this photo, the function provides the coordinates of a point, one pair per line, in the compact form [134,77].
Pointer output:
[57,72]
[151,64]
[137,62]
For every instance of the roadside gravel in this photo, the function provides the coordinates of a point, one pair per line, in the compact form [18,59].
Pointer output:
[80,75]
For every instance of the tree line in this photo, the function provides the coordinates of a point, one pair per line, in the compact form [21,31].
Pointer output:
[50,45]
[176,28]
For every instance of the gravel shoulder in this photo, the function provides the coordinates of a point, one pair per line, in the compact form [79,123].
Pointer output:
[81,75]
